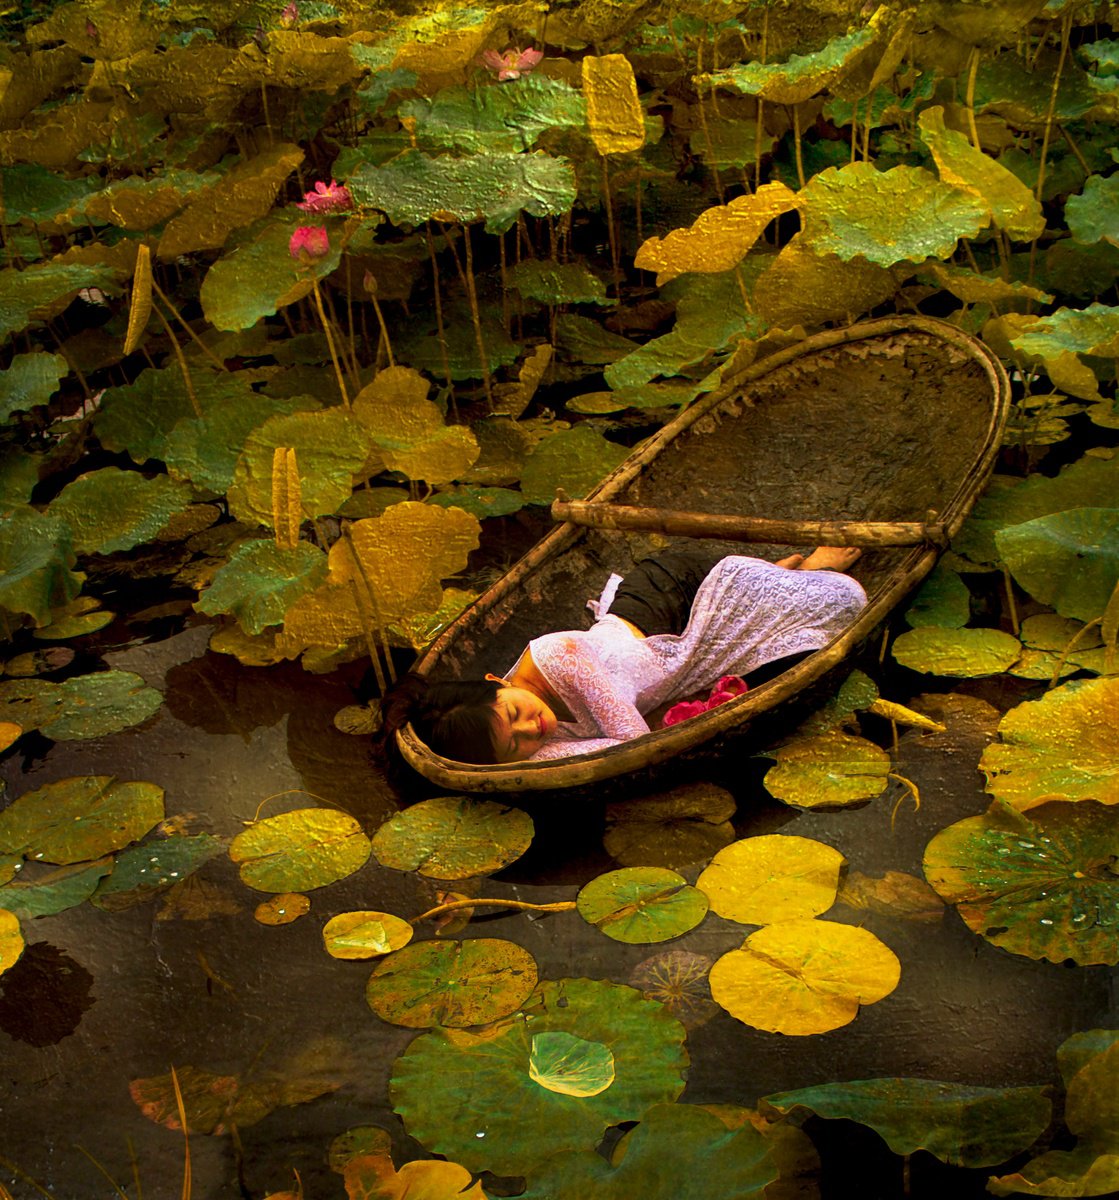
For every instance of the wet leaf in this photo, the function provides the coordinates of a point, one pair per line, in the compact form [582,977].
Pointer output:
[1093,215]
[1039,884]
[356,1142]
[36,557]
[827,770]
[805,976]
[639,905]
[772,877]
[480,502]
[300,850]
[858,691]
[90,706]
[969,653]
[283,909]
[260,582]
[521,1123]
[354,935]
[68,624]
[145,871]
[455,984]
[552,282]
[111,509]
[963,1125]
[570,1065]
[453,837]
[1062,745]
[30,379]
[78,819]
[1049,639]
[572,459]
[894,895]
[670,829]
[973,288]
[373,1177]
[11,940]
[54,893]
[943,600]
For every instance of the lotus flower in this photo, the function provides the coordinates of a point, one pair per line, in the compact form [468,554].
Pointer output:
[309,243]
[327,198]
[512,64]
[290,14]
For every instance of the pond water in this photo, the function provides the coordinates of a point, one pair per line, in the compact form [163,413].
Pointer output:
[191,979]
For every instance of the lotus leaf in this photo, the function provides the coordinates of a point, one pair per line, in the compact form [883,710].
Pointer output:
[457,351]
[1091,330]
[732,142]
[857,691]
[719,238]
[9,734]
[374,1177]
[678,980]
[453,837]
[11,940]
[36,554]
[827,770]
[480,502]
[1060,745]
[943,601]
[1068,560]
[553,283]
[454,984]
[959,652]
[92,705]
[414,188]
[35,195]
[139,204]
[894,895]
[1024,98]
[804,976]
[357,1142]
[43,290]
[56,892]
[365,934]
[772,877]
[283,909]
[638,905]
[570,1065]
[111,509]
[381,84]
[673,1147]
[973,288]
[887,217]
[419,630]
[260,581]
[670,829]
[586,341]
[1050,641]
[615,118]
[144,871]
[961,1124]
[301,850]
[78,819]
[1093,216]
[68,624]
[515,1123]
[30,379]
[572,459]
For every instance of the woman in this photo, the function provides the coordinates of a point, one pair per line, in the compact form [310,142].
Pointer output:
[674,626]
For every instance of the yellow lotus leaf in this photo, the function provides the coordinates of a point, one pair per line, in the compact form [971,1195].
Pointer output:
[802,977]
[283,909]
[11,940]
[9,731]
[354,935]
[375,1177]
[258,650]
[1071,374]
[615,117]
[828,770]
[774,877]
[973,288]
[719,238]
[56,138]
[439,55]
[894,895]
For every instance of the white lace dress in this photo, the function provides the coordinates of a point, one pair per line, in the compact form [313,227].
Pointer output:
[747,612]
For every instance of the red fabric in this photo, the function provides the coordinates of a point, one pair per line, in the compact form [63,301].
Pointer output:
[726,689]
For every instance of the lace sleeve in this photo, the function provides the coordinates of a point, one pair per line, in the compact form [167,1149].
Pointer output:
[564,747]
[571,664]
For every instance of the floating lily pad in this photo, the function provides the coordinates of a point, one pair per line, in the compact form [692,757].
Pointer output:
[87,706]
[260,582]
[282,909]
[374,1175]
[803,977]
[67,625]
[454,984]
[56,892]
[365,934]
[670,829]
[356,1142]
[570,1065]
[969,653]
[301,850]
[514,1123]
[478,501]
[827,770]
[1040,884]
[641,904]
[453,837]
[895,894]
[963,1125]
[145,871]
[1050,640]
[772,877]
[11,940]
[678,980]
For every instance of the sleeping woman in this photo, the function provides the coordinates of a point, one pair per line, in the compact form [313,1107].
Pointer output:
[676,624]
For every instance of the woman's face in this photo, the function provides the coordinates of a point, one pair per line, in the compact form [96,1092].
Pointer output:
[522,723]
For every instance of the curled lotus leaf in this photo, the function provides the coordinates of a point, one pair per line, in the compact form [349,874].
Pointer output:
[138,204]
[670,829]
[365,934]
[11,940]
[515,1123]
[772,877]
[961,1124]
[144,871]
[804,976]
[260,582]
[1051,642]
[1093,216]
[572,459]
[615,118]
[1092,330]
[111,509]
[453,984]
[1039,884]
[639,905]
[887,217]
[301,850]
[374,1176]
[36,557]
[65,888]
[30,379]
[552,282]
[967,653]
[570,1065]
[827,770]
[1062,745]
[453,837]
[43,290]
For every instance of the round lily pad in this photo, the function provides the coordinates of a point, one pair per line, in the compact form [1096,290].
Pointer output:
[357,1142]
[802,977]
[641,904]
[11,940]
[84,707]
[968,653]
[774,877]
[1040,884]
[365,934]
[283,909]
[829,770]
[678,980]
[570,1065]
[452,983]
[453,837]
[510,1123]
[671,829]
[300,850]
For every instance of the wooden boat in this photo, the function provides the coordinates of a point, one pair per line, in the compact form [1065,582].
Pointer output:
[880,435]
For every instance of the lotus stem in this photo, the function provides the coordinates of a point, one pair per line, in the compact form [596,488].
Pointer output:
[435,287]
[187,1181]
[973,71]
[911,789]
[183,322]
[523,905]
[1066,28]
[796,144]
[1054,679]
[330,341]
[182,360]
[466,274]
[384,330]
[612,234]
[1011,603]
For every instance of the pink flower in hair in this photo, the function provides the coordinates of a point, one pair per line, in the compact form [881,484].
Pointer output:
[309,243]
[511,64]
[327,198]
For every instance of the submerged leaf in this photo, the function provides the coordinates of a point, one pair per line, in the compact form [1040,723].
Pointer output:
[670,829]
[301,850]
[144,871]
[640,905]
[355,935]
[570,1065]
[62,889]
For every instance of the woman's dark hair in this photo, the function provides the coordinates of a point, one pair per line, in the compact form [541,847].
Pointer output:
[454,719]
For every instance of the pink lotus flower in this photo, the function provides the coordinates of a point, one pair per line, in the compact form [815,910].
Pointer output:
[290,14]
[327,198]
[309,243]
[512,64]
[726,689]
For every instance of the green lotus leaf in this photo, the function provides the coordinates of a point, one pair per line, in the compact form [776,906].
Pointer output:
[640,905]
[961,1124]
[1068,560]
[1077,1051]
[903,214]
[76,620]
[138,204]
[585,341]
[1078,270]
[671,829]
[62,889]
[381,84]
[1091,1105]
[967,653]
[421,629]
[30,379]
[1093,216]
[516,1124]
[732,142]
[259,277]
[943,600]
[36,554]
[20,471]
[480,502]
[74,820]
[1091,330]
[43,290]
[552,282]
[414,188]
[11,940]
[84,707]
[1103,54]
[453,837]
[300,850]
[1032,762]
[572,459]
[661,1159]
[858,691]
[827,770]
[453,984]
[111,509]
[34,194]
[144,871]
[1024,97]
[458,352]
[363,934]
[260,582]
[1037,884]
[1050,640]
[570,1065]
